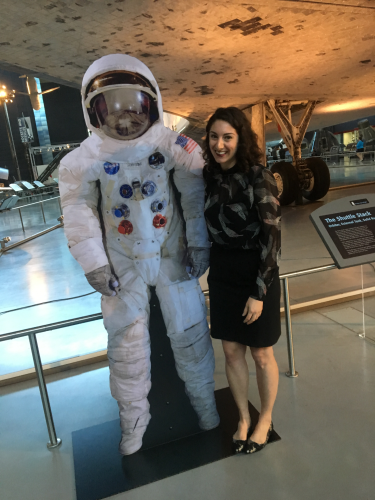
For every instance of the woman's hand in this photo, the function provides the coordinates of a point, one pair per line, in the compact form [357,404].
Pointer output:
[253,309]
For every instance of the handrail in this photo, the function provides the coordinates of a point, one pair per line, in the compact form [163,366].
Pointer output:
[97,316]
[50,326]
[303,272]
[4,249]
[347,154]
[34,203]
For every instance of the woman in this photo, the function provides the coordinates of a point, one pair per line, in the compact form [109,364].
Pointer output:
[243,219]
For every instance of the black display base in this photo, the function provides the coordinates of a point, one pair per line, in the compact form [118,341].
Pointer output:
[173,442]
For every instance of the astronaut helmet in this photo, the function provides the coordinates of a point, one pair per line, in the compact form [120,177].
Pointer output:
[122,104]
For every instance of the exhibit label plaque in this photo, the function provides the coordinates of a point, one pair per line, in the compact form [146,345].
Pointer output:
[347,228]
[26,131]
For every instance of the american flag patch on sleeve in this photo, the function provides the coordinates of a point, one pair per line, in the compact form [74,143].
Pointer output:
[186,143]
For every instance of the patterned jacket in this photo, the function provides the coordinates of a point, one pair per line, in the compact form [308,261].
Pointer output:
[242,211]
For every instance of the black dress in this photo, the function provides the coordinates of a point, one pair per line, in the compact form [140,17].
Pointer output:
[243,220]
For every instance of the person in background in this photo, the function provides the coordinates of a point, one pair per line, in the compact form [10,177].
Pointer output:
[274,153]
[360,147]
[242,213]
[282,152]
[315,151]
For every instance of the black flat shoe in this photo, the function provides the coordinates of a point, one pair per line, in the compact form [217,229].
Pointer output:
[239,445]
[253,447]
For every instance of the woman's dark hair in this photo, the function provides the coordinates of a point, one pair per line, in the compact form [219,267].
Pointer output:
[248,152]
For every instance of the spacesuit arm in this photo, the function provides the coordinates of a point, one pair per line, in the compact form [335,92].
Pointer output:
[79,199]
[188,178]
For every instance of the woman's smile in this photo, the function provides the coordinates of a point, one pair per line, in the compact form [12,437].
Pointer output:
[223,140]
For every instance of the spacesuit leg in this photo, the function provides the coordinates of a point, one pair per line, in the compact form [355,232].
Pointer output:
[126,321]
[184,311]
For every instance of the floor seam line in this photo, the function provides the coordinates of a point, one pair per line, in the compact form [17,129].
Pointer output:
[334,321]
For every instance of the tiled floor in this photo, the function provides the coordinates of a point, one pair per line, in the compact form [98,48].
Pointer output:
[324,418]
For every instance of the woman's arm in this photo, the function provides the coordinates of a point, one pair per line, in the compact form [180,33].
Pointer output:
[268,207]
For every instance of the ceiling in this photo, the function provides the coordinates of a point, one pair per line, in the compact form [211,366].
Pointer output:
[207,54]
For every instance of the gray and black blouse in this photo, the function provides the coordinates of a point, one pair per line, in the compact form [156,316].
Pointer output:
[242,211]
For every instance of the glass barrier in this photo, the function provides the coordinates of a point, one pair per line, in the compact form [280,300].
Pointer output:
[54,345]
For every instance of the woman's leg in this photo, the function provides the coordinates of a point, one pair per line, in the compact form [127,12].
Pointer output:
[267,374]
[238,377]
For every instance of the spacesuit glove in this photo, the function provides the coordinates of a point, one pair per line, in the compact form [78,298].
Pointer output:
[199,260]
[103,281]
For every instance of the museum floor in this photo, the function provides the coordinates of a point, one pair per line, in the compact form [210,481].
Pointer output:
[324,417]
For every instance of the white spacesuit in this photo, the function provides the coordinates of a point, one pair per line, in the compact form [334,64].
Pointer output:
[127,160]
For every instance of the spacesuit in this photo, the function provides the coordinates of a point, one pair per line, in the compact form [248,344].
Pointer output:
[137,238]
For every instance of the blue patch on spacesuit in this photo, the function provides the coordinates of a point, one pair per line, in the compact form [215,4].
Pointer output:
[121,211]
[126,191]
[148,188]
[111,168]
[182,140]
[156,160]
[158,206]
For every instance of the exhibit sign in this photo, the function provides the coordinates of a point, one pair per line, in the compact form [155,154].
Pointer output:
[26,131]
[347,228]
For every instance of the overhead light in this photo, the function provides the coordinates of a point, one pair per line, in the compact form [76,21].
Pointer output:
[5,95]
[346,106]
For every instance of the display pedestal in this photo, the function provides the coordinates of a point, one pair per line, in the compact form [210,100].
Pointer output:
[173,442]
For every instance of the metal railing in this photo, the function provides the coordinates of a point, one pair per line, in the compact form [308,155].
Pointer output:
[35,203]
[32,332]
[54,441]
[28,194]
[327,157]
[348,154]
[288,319]
[5,240]
[38,150]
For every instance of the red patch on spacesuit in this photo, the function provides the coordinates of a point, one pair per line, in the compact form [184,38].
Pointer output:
[125,227]
[159,221]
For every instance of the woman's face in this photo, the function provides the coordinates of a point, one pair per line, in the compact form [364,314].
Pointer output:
[223,142]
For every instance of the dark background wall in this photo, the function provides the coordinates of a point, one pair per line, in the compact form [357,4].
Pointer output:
[21,104]
[64,114]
